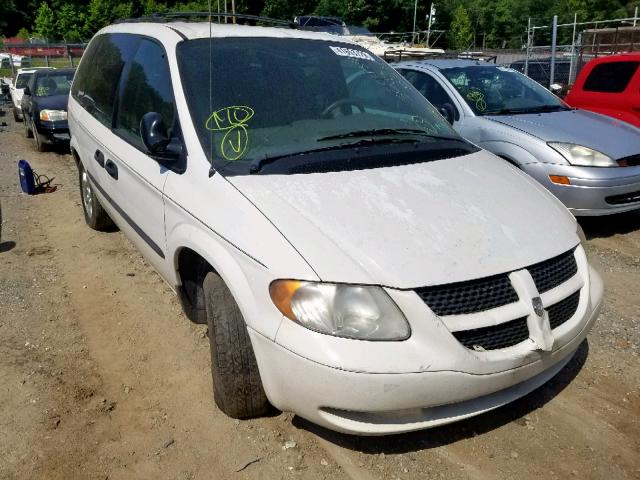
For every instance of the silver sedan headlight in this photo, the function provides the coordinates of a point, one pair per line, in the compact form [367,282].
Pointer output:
[351,311]
[582,156]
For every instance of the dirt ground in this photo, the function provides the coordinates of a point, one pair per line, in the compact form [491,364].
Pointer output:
[102,376]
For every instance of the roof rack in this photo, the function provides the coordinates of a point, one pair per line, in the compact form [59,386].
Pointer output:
[192,16]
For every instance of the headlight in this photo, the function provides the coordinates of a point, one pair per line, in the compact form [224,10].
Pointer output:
[52,115]
[351,311]
[583,156]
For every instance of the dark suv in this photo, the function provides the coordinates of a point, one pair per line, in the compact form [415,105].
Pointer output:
[44,106]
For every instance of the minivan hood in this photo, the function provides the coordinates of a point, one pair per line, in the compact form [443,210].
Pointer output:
[415,225]
[605,134]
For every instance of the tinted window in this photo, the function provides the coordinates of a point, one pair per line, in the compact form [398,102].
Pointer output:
[53,83]
[23,80]
[99,73]
[147,89]
[429,87]
[611,77]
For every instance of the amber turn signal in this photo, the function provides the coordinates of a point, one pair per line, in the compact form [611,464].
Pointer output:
[560,179]
[281,292]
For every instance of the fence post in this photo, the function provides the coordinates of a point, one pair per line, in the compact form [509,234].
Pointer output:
[526,59]
[572,65]
[553,50]
[46,60]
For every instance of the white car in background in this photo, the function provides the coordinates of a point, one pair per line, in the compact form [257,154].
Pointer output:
[357,262]
[16,89]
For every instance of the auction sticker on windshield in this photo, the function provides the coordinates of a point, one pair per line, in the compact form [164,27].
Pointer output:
[351,52]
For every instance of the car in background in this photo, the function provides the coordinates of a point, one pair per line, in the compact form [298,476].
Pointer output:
[18,61]
[610,86]
[16,89]
[589,161]
[44,106]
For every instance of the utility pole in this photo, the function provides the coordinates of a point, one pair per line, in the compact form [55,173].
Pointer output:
[635,16]
[526,60]
[553,50]
[415,13]
[432,13]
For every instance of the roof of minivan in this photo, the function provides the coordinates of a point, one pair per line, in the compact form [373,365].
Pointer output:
[193,30]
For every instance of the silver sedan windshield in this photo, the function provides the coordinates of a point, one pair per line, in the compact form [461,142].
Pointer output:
[492,90]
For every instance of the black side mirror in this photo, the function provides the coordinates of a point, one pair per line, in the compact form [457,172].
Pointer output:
[448,112]
[154,133]
[27,90]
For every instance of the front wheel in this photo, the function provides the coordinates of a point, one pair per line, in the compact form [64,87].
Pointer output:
[27,131]
[16,117]
[237,387]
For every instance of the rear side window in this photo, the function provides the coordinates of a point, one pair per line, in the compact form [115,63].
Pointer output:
[99,73]
[611,77]
[147,89]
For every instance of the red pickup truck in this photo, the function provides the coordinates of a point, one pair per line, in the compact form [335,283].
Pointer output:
[611,86]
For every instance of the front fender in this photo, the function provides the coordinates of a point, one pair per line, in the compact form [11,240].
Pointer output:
[247,278]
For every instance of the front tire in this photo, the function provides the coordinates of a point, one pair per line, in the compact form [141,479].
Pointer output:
[27,131]
[95,216]
[237,386]
[16,117]
[40,145]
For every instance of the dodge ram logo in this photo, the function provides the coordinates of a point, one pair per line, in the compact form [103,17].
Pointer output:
[537,306]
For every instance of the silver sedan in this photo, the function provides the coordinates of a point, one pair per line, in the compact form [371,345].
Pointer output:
[589,161]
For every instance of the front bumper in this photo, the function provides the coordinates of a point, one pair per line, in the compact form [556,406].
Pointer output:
[53,132]
[592,188]
[448,386]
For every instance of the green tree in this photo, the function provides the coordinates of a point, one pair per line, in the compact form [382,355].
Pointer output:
[287,9]
[461,31]
[45,24]
[71,22]
[103,12]
[23,34]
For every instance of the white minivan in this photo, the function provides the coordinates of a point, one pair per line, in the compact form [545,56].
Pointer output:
[356,261]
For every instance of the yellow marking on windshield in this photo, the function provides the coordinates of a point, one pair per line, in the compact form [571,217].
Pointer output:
[477,97]
[233,121]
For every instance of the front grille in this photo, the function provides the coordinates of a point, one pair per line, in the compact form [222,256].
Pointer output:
[469,297]
[563,310]
[623,198]
[494,337]
[511,333]
[551,273]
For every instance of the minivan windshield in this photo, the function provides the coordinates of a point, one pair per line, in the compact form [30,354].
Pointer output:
[257,100]
[493,90]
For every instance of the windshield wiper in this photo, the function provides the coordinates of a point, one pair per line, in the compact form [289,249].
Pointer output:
[386,132]
[539,109]
[258,163]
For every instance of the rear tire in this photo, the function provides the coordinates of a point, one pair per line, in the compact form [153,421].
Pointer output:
[237,387]
[95,216]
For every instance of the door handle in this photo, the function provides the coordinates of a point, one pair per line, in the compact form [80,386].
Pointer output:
[111,168]
[99,157]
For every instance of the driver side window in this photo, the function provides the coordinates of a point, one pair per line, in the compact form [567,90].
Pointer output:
[147,89]
[431,89]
